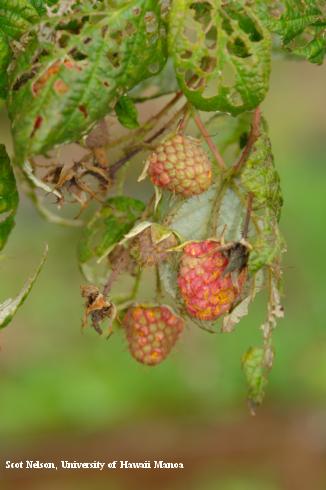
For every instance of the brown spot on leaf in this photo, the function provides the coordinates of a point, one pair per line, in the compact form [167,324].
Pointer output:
[60,87]
[37,124]
[83,110]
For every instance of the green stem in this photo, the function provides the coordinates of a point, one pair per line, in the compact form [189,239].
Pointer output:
[148,125]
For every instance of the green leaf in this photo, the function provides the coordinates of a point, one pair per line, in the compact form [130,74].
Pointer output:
[8,197]
[60,86]
[268,243]
[221,53]
[40,5]
[126,112]
[260,176]
[301,25]
[192,219]
[5,53]
[9,307]
[254,369]
[108,226]
[16,16]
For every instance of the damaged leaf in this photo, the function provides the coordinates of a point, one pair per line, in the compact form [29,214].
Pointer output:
[221,52]
[8,197]
[108,226]
[66,79]
[9,307]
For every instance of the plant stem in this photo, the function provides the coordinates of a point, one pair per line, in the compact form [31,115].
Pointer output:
[109,283]
[216,206]
[148,125]
[241,198]
[248,215]
[119,163]
[209,141]
[253,136]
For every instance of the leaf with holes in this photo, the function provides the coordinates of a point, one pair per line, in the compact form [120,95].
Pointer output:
[9,307]
[68,78]
[108,226]
[260,178]
[8,197]
[40,5]
[16,17]
[221,53]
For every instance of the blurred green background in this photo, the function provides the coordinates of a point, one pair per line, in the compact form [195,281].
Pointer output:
[63,392]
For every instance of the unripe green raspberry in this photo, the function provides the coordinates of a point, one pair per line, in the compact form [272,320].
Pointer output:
[151,332]
[206,291]
[180,165]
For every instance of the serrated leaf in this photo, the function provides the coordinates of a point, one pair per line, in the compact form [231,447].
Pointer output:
[268,244]
[9,307]
[221,53]
[60,86]
[192,219]
[109,225]
[255,372]
[260,176]
[126,112]
[16,17]
[301,25]
[8,197]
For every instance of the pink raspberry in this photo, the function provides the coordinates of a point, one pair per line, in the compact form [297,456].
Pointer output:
[206,292]
[180,165]
[151,331]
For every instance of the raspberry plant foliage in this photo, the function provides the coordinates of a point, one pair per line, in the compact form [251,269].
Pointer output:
[84,76]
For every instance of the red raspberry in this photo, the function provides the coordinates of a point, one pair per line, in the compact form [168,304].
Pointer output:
[207,294]
[180,165]
[151,332]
